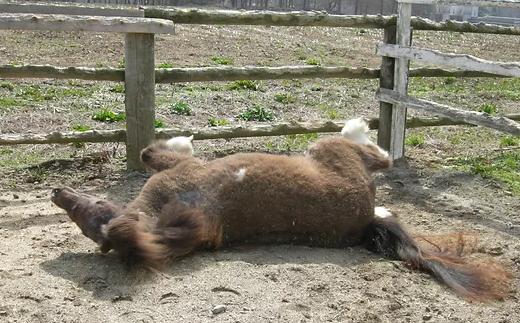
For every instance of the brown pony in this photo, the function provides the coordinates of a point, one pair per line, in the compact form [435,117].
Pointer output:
[325,198]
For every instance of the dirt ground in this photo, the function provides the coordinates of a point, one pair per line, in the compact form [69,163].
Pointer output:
[49,272]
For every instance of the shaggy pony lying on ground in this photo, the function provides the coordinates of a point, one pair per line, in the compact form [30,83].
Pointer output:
[325,198]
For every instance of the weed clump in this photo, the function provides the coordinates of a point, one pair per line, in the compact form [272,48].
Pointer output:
[257,113]
[106,115]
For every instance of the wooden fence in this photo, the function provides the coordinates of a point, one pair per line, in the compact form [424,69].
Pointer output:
[140,76]
[403,52]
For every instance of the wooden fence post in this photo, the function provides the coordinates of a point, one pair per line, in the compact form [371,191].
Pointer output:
[403,37]
[386,81]
[139,95]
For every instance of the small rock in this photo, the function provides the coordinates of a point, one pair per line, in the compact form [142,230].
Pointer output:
[218,309]
[426,317]
[16,196]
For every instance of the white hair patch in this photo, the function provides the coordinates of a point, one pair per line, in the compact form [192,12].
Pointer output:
[104,231]
[240,174]
[181,145]
[357,131]
[382,212]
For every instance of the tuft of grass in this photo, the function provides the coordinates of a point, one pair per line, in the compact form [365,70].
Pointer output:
[312,61]
[38,93]
[19,159]
[181,108]
[299,142]
[118,88]
[37,175]
[329,112]
[243,85]
[503,167]
[488,108]
[74,83]
[509,141]
[158,123]
[165,65]
[80,127]
[106,115]
[8,102]
[450,80]
[7,85]
[220,60]
[256,113]
[507,88]
[285,98]
[214,122]
[121,63]
[415,140]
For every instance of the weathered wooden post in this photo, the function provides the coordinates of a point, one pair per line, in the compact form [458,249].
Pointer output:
[403,37]
[386,81]
[139,95]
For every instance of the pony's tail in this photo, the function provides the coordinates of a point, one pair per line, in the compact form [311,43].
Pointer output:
[473,281]
[139,239]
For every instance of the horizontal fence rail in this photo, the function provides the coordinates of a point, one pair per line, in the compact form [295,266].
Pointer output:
[279,129]
[301,18]
[70,9]
[13,21]
[210,74]
[481,3]
[461,61]
[503,124]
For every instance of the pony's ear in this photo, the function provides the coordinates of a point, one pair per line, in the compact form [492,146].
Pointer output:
[190,138]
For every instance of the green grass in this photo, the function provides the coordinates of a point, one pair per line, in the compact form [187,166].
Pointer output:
[504,167]
[256,113]
[181,108]
[292,142]
[488,108]
[284,98]
[243,85]
[214,122]
[415,140]
[121,63]
[118,88]
[80,127]
[329,112]
[501,88]
[299,142]
[165,65]
[109,116]
[37,93]
[158,123]
[7,85]
[220,60]
[507,88]
[509,141]
[312,61]
[37,175]
[6,102]
[19,159]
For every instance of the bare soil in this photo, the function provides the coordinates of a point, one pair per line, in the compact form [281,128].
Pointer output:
[50,272]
